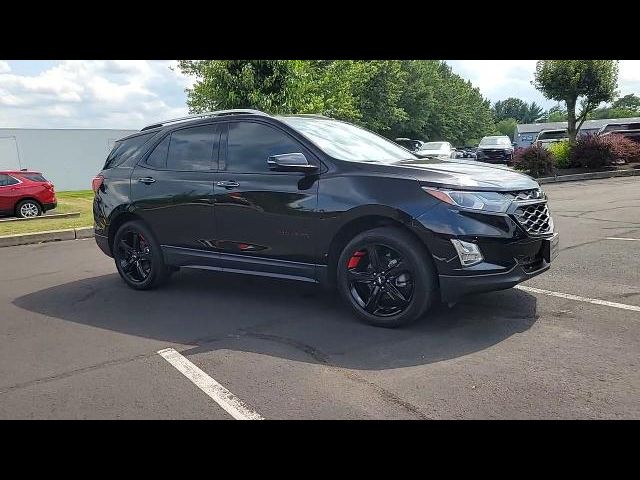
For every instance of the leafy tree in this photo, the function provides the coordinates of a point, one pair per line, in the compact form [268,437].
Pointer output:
[417,99]
[591,81]
[628,102]
[271,85]
[623,107]
[533,114]
[517,109]
[556,114]
[507,127]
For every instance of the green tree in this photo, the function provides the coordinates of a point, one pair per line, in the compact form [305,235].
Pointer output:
[272,85]
[507,127]
[591,81]
[517,109]
[623,107]
[628,102]
[556,114]
[413,98]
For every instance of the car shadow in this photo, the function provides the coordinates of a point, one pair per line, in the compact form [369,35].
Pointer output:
[292,320]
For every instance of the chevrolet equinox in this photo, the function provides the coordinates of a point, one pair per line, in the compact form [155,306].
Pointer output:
[309,198]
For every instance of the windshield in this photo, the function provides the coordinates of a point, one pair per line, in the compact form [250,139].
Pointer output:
[347,142]
[434,146]
[552,134]
[495,141]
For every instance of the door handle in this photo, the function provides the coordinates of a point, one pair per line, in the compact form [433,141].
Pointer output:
[146,180]
[228,184]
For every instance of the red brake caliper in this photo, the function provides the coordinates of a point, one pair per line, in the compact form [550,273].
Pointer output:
[355,259]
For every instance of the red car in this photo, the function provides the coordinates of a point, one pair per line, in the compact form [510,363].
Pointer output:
[25,194]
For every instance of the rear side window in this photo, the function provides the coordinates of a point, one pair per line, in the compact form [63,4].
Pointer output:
[6,180]
[192,149]
[251,144]
[34,177]
[158,158]
[124,149]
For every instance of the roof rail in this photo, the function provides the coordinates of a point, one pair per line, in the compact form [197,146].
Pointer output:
[217,113]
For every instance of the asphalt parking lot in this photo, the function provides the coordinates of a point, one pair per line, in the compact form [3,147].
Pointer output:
[75,342]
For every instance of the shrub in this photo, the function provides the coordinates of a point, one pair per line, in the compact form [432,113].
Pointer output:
[624,148]
[534,160]
[560,152]
[595,151]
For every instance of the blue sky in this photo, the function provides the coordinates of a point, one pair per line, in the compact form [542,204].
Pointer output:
[133,93]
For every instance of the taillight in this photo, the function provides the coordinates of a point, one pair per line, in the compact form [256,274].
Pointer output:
[96,183]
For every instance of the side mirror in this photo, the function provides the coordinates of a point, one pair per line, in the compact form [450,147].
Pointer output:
[296,162]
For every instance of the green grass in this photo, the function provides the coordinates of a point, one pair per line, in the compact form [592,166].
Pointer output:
[68,202]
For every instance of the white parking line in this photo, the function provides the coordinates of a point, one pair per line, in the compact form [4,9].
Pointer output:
[223,397]
[568,296]
[621,238]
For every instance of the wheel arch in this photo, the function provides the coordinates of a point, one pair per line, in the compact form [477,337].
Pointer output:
[362,223]
[119,219]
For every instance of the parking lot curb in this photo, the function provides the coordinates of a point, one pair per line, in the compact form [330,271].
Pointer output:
[42,217]
[589,176]
[48,236]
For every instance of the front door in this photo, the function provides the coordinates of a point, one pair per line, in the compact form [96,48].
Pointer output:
[263,215]
[172,188]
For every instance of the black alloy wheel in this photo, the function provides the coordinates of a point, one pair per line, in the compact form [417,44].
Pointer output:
[387,277]
[380,281]
[134,256]
[138,256]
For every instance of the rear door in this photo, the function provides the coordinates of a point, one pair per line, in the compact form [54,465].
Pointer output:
[172,187]
[8,193]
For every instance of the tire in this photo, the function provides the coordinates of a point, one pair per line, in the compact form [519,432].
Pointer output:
[28,209]
[141,265]
[406,268]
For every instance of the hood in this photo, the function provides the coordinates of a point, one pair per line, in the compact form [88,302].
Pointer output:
[467,175]
[495,147]
[433,152]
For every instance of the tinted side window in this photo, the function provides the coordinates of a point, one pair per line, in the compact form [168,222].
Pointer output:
[193,148]
[123,149]
[6,180]
[35,177]
[158,157]
[251,144]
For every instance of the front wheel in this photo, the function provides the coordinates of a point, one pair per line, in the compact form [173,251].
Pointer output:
[386,277]
[138,256]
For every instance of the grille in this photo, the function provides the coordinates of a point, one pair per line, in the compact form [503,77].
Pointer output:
[534,194]
[535,219]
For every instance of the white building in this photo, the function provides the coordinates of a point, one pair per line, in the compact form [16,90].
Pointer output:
[70,158]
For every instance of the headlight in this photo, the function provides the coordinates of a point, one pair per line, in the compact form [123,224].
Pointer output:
[485,201]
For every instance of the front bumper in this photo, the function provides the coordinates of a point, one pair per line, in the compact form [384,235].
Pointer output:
[510,254]
[453,287]
[504,156]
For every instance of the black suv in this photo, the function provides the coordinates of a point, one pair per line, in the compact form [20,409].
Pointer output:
[310,198]
[495,149]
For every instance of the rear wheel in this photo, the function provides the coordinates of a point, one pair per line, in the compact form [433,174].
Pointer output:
[28,209]
[138,256]
[385,276]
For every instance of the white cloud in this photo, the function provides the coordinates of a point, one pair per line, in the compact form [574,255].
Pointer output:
[500,79]
[96,93]
[133,93]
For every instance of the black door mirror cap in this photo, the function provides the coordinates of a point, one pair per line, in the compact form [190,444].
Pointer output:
[291,162]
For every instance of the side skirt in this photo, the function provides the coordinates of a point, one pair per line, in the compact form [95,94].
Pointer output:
[243,264]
